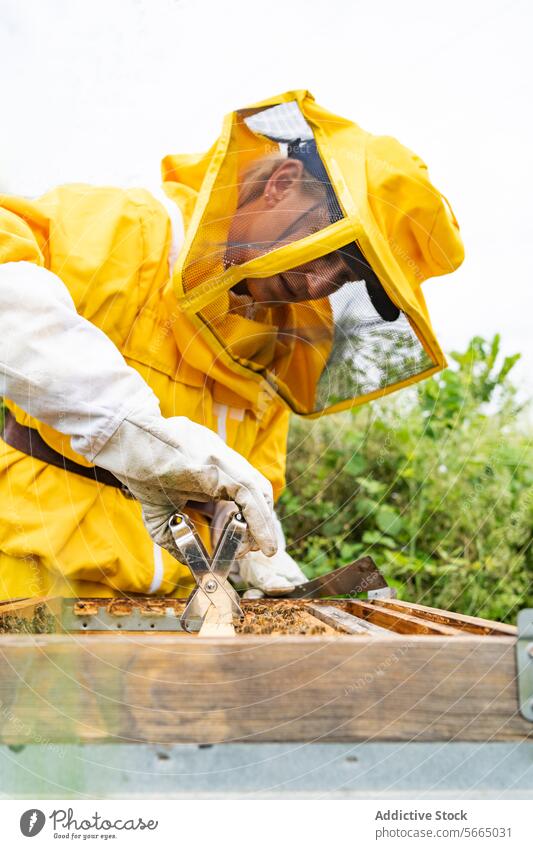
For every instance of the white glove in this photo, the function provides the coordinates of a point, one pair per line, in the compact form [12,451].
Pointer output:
[64,371]
[166,462]
[277,575]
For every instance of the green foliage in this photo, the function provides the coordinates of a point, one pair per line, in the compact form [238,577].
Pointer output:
[435,483]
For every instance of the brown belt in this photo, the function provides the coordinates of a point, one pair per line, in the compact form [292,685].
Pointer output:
[29,441]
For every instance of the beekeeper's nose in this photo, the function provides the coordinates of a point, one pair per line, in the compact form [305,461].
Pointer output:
[315,286]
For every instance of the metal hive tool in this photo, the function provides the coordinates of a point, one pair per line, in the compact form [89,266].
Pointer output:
[213,603]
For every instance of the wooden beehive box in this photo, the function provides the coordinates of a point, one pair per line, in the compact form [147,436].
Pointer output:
[329,670]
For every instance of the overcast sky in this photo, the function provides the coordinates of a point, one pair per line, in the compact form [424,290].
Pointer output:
[100,91]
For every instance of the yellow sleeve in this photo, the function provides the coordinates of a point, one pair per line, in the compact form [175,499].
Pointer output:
[269,453]
[23,232]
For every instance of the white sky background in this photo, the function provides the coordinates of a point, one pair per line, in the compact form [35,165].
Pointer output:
[100,91]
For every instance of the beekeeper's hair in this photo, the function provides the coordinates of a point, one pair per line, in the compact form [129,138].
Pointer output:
[256,176]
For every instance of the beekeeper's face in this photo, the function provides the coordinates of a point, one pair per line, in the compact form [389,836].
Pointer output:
[282,213]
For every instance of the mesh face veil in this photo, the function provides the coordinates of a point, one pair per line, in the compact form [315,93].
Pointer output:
[304,255]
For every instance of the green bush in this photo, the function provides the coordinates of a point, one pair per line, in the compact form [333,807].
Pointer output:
[434,482]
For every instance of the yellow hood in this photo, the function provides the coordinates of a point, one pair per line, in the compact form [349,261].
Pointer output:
[402,224]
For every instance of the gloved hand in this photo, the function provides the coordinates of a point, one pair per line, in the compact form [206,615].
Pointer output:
[166,462]
[276,575]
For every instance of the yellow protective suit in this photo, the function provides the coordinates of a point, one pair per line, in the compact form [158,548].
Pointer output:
[60,532]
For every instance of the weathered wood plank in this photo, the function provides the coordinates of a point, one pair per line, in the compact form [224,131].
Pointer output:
[13,600]
[25,614]
[171,688]
[472,624]
[347,622]
[25,607]
[399,622]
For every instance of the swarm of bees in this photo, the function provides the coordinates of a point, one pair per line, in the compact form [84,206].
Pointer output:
[282,618]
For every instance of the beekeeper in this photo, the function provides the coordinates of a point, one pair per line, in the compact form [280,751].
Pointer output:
[153,345]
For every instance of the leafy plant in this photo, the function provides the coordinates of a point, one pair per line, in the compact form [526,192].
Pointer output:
[435,483]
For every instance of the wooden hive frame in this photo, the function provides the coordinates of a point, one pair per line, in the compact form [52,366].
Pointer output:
[379,669]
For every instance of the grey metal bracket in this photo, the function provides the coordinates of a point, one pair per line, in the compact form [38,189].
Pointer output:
[524,662]
[384,592]
[137,620]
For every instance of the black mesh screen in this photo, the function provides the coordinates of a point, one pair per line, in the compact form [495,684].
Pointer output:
[367,353]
